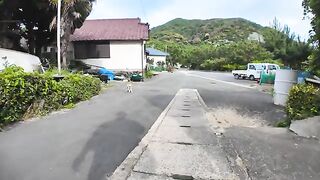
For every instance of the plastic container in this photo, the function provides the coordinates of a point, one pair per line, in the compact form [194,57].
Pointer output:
[284,80]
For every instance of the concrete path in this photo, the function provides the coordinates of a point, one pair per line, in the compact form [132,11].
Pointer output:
[190,141]
[179,146]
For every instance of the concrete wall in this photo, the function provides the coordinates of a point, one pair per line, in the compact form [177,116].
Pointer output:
[27,61]
[124,55]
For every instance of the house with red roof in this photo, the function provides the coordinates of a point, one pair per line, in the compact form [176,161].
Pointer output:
[115,44]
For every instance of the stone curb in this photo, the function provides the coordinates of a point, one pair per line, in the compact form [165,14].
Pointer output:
[123,171]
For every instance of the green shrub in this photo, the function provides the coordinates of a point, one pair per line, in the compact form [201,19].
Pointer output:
[303,102]
[28,94]
[148,74]
[283,123]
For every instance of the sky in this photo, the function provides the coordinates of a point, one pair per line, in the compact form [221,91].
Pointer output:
[158,12]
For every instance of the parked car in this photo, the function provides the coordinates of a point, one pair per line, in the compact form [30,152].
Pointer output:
[254,70]
[136,77]
[119,76]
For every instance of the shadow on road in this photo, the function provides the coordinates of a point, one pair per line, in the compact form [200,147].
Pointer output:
[101,145]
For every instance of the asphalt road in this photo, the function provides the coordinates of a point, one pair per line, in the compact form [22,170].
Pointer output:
[90,141]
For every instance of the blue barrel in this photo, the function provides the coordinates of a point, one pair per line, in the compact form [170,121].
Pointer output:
[302,76]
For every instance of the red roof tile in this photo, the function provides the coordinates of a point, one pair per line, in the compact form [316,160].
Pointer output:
[112,29]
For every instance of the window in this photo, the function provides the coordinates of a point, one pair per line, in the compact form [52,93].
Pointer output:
[252,67]
[272,67]
[92,49]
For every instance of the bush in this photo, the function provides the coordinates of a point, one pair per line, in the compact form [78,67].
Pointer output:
[23,95]
[148,74]
[303,102]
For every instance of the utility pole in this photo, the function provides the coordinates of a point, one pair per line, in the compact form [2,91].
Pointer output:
[58,36]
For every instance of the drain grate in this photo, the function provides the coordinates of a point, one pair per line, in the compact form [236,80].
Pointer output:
[182,177]
[184,143]
[185,116]
[185,126]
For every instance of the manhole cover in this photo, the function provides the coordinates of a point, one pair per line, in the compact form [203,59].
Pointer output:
[184,143]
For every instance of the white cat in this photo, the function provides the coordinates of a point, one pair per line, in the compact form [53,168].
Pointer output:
[129,86]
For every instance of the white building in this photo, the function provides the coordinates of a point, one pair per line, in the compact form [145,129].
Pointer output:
[156,56]
[115,44]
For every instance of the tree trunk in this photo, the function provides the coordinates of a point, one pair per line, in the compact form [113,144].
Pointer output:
[66,24]
[31,39]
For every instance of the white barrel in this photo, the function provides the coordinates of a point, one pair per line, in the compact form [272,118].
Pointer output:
[285,79]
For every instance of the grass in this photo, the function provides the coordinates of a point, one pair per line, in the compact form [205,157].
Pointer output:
[283,124]
[148,74]
[70,106]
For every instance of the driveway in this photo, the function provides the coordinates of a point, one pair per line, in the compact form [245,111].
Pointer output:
[90,141]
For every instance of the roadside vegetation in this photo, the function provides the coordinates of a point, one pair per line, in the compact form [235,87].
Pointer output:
[148,74]
[25,95]
[304,99]
[303,102]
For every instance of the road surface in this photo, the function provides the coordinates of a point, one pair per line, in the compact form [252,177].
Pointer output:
[91,140]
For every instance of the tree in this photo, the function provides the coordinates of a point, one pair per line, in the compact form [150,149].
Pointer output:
[286,46]
[313,7]
[73,14]
[26,19]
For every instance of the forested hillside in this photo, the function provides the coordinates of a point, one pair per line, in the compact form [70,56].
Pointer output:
[226,44]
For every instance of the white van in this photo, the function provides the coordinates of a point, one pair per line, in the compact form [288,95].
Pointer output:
[254,70]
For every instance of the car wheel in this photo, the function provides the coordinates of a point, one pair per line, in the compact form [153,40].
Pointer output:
[251,78]
[236,76]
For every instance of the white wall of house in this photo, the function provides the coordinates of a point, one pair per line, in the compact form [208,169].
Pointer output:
[157,59]
[124,55]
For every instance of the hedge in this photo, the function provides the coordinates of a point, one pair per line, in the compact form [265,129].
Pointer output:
[303,102]
[24,95]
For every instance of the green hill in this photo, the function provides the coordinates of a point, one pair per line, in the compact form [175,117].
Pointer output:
[226,44]
[211,30]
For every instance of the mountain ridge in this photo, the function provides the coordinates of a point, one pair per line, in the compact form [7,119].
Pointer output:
[207,30]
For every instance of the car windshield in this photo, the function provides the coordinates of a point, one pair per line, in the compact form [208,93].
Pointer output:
[259,67]
[159,89]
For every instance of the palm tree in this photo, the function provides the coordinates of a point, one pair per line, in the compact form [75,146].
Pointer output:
[73,14]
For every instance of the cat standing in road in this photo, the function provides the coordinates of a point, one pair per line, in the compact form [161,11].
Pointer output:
[129,86]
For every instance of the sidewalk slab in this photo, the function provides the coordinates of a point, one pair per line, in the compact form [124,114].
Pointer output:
[274,153]
[309,128]
[192,121]
[143,176]
[180,145]
[197,161]
[195,135]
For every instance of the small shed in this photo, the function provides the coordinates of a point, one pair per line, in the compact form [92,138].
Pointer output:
[156,56]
